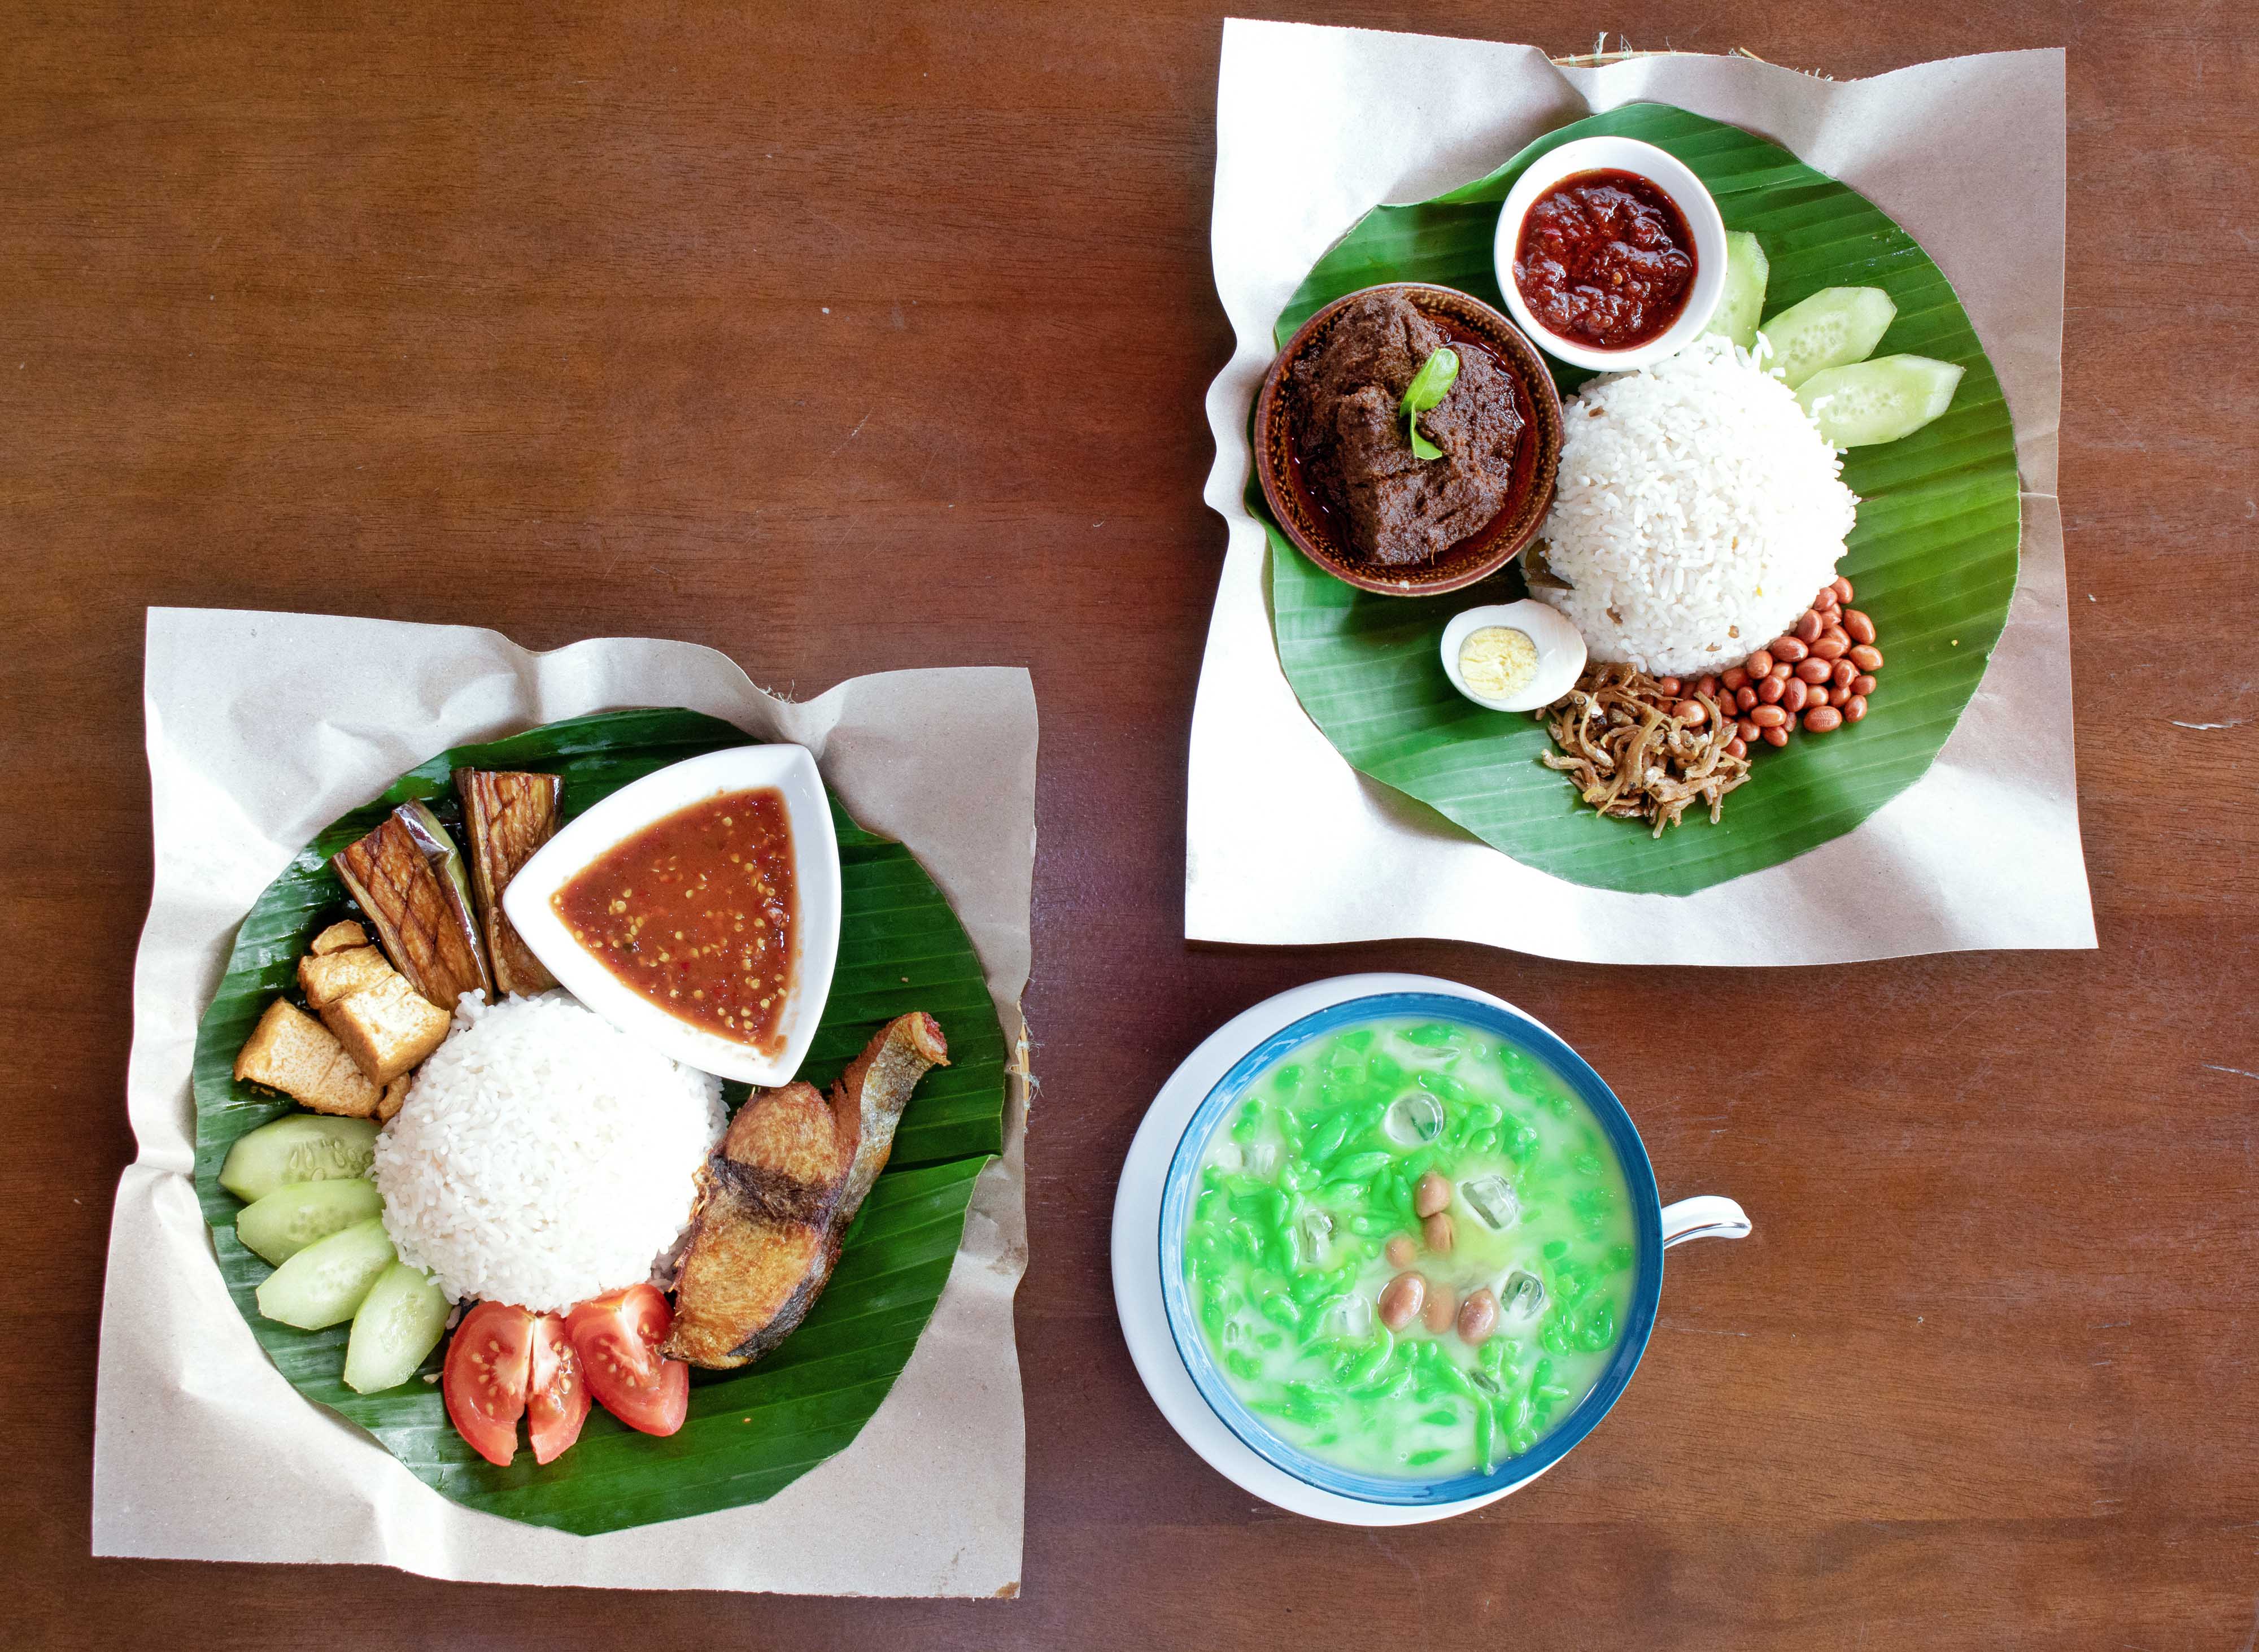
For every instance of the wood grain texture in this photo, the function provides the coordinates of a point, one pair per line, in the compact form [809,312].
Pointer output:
[862,337]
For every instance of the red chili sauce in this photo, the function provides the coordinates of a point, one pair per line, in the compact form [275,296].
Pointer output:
[1606,260]
[695,913]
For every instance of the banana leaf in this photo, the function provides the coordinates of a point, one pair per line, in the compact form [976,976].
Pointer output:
[1933,559]
[750,1432]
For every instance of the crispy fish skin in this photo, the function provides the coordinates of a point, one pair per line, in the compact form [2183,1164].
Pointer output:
[507,815]
[775,1202]
[430,939]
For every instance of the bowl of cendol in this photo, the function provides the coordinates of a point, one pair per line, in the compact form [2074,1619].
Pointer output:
[1411,1249]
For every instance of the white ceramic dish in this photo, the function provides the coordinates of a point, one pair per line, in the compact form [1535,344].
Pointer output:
[1137,1283]
[816,916]
[1671,176]
[1560,651]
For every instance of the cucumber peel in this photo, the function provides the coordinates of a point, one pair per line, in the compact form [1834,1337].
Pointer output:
[1835,327]
[1874,402]
[284,1223]
[325,1283]
[397,1325]
[1742,301]
[303,1147]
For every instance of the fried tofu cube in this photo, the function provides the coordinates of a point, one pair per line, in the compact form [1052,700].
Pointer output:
[339,936]
[388,1027]
[325,978]
[394,1094]
[291,1051]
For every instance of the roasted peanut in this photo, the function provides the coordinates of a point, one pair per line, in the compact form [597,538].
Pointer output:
[1737,747]
[1668,685]
[1442,1307]
[1863,685]
[1820,719]
[1775,736]
[1830,647]
[1807,629]
[1759,666]
[1769,691]
[1799,692]
[1733,677]
[1746,729]
[1842,589]
[1818,696]
[1401,1299]
[1855,708]
[1768,716]
[1867,658]
[1690,713]
[1813,670]
[1434,1193]
[1860,628]
[1840,677]
[1790,649]
[1477,1317]
[1744,697]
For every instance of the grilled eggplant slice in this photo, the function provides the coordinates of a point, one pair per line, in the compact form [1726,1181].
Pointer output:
[409,882]
[774,1203]
[506,817]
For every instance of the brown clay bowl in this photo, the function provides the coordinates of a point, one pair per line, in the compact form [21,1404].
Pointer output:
[1315,531]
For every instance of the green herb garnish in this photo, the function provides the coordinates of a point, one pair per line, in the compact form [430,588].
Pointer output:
[1429,385]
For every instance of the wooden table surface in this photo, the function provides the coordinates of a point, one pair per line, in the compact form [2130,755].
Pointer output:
[851,337]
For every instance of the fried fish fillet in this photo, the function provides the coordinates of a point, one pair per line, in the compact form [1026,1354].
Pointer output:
[774,1202]
[506,817]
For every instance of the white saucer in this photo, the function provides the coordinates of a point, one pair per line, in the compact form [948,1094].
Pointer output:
[1137,1256]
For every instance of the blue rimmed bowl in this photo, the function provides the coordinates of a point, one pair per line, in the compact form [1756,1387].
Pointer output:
[1152,1207]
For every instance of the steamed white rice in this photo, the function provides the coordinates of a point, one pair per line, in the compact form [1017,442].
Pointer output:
[542,1157]
[1698,510]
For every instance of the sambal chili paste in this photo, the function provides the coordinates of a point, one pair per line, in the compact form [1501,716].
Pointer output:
[1604,260]
[695,913]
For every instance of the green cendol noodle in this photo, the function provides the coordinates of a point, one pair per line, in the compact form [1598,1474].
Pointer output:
[1305,1182]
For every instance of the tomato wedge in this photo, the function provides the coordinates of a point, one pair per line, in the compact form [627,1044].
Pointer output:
[559,1403]
[488,1371]
[618,1337]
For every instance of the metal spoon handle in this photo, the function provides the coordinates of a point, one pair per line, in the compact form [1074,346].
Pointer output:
[1706,1216]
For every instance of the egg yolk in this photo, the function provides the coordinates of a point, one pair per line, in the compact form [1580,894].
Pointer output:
[1497,661]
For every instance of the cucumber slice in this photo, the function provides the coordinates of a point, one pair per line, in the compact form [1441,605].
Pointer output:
[1739,306]
[1835,326]
[324,1284]
[399,1322]
[305,1147]
[1878,401]
[288,1220]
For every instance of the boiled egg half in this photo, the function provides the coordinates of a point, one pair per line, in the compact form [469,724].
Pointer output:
[1513,655]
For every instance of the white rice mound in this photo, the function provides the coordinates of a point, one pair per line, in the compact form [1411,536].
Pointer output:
[1698,510]
[542,1157]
